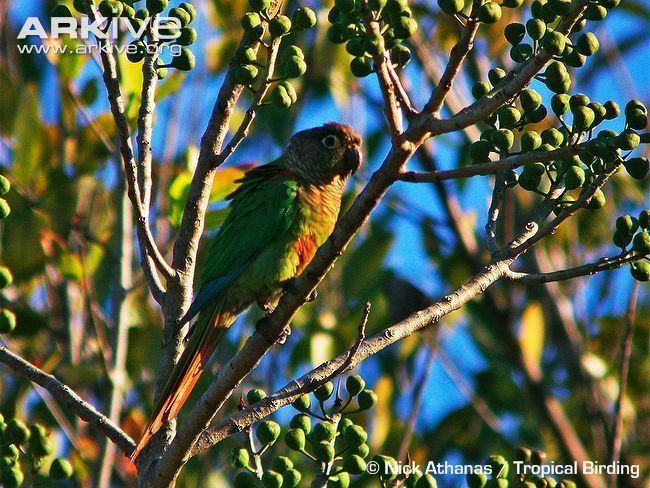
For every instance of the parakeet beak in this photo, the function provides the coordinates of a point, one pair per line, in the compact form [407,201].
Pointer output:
[352,160]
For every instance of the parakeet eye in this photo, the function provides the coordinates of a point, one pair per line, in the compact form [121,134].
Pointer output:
[330,142]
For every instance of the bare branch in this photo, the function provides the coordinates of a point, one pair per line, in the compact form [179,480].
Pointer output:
[458,54]
[433,69]
[534,233]
[604,264]
[402,95]
[191,227]
[481,169]
[361,335]
[145,125]
[66,395]
[417,321]
[493,213]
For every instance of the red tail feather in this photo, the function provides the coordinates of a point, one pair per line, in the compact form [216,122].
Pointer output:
[186,373]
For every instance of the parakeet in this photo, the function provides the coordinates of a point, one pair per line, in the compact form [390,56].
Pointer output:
[279,215]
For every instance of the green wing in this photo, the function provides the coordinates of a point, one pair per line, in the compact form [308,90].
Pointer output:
[262,209]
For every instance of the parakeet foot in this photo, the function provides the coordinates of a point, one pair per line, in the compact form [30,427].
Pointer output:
[285,335]
[268,309]
[290,287]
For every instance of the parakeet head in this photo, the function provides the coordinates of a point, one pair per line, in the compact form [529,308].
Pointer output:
[321,153]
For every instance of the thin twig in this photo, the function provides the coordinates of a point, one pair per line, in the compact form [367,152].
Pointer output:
[604,264]
[361,335]
[626,353]
[458,54]
[494,211]
[481,169]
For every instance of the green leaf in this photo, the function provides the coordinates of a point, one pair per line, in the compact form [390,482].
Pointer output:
[69,64]
[225,182]
[172,84]
[531,334]
[70,266]
[131,84]
[29,149]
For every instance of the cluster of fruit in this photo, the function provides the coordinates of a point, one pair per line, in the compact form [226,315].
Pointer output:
[328,437]
[488,12]
[635,231]
[395,24]
[258,23]
[595,156]
[7,317]
[32,445]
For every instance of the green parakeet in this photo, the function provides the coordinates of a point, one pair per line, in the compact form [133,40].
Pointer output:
[279,216]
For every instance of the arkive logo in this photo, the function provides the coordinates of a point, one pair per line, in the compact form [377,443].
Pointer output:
[163,28]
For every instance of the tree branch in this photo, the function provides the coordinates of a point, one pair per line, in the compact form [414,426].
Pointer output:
[191,227]
[116,101]
[494,211]
[402,95]
[482,169]
[249,116]
[458,54]
[535,233]
[604,264]
[387,86]
[310,381]
[66,395]
[455,101]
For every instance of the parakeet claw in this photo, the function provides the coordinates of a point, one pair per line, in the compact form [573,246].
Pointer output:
[285,335]
[312,296]
[268,309]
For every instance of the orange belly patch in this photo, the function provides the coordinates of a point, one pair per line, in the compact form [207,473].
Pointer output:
[305,249]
